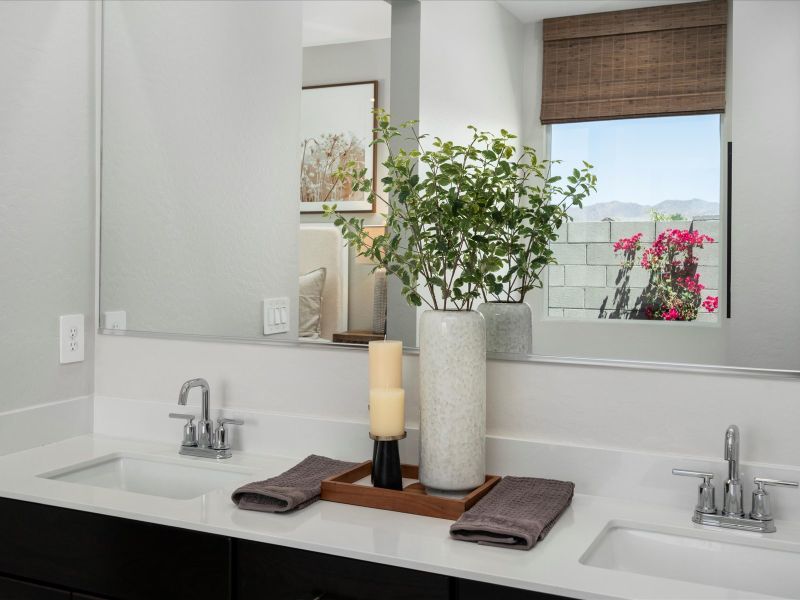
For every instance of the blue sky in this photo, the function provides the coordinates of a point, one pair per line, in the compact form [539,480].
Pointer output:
[644,160]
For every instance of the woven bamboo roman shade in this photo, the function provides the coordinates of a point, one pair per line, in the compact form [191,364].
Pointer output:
[661,60]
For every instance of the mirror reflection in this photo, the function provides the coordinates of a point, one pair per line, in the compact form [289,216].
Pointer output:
[251,186]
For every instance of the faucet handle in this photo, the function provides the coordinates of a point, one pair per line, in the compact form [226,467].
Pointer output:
[706,502]
[189,430]
[221,442]
[762,481]
[182,416]
[762,509]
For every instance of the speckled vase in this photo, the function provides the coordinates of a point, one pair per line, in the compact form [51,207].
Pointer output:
[452,365]
[509,327]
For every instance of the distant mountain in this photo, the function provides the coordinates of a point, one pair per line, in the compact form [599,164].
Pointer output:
[632,211]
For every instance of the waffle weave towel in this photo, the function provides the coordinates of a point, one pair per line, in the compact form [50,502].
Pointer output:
[295,489]
[517,513]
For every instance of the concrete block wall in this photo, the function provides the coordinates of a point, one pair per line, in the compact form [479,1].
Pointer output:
[589,282]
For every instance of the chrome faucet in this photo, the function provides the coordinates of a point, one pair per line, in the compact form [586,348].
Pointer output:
[759,520]
[205,428]
[733,501]
[203,440]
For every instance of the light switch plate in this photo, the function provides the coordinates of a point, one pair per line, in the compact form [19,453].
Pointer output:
[276,315]
[115,319]
[71,339]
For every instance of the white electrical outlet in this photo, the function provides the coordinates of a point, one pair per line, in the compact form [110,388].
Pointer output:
[276,315]
[115,319]
[71,339]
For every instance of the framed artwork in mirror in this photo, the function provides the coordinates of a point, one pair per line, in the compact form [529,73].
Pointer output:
[336,128]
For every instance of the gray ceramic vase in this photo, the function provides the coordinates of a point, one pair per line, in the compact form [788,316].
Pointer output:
[509,327]
[452,364]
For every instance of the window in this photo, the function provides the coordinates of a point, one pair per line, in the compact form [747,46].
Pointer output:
[646,244]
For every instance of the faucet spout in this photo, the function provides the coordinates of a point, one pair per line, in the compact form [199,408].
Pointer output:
[204,426]
[732,451]
[733,501]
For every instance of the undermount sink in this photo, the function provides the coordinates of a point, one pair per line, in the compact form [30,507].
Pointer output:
[181,479]
[723,560]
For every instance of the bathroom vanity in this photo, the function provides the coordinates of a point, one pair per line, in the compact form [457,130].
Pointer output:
[82,555]
[53,552]
[102,518]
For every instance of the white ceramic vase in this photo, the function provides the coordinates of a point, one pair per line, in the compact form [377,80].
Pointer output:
[452,364]
[509,327]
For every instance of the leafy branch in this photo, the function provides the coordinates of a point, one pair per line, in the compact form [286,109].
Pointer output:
[476,225]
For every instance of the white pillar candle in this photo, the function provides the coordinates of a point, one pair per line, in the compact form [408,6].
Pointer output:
[385,364]
[387,416]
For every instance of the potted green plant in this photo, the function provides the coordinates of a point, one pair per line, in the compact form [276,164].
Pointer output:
[530,206]
[448,241]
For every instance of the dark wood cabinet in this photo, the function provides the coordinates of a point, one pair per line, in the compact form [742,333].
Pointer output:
[51,553]
[14,589]
[110,557]
[475,590]
[278,573]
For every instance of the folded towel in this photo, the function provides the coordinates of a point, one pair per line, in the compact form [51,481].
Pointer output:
[295,489]
[517,513]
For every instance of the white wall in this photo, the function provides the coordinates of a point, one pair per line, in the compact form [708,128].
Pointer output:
[200,163]
[765,323]
[603,407]
[47,185]
[345,63]
[470,68]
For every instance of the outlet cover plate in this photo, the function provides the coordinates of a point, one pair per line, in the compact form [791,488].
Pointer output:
[115,319]
[71,339]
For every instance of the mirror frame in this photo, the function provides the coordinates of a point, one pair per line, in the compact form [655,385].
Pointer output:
[493,356]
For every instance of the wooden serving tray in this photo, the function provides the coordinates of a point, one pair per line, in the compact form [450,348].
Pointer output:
[413,499]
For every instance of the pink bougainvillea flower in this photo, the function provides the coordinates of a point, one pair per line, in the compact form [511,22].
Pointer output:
[630,244]
[711,303]
[674,291]
[671,315]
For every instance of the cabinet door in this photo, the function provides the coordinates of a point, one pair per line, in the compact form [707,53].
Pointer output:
[265,572]
[474,590]
[111,557]
[12,589]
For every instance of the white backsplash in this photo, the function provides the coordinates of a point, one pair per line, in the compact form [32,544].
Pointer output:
[631,475]
[641,410]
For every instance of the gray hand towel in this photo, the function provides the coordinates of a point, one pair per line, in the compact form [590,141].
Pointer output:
[517,513]
[295,489]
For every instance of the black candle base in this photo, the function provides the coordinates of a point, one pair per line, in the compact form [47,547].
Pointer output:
[386,465]
[374,456]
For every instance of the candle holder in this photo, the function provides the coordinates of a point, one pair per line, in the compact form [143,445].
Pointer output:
[386,461]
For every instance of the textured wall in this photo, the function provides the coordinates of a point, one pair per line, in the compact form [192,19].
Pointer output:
[470,69]
[765,324]
[200,163]
[47,175]
[589,283]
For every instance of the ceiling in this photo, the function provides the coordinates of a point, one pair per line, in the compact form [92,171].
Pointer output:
[344,21]
[529,11]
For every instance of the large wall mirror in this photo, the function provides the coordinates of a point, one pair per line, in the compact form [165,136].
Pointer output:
[226,127]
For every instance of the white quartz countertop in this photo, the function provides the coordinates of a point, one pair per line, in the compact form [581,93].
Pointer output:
[391,538]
